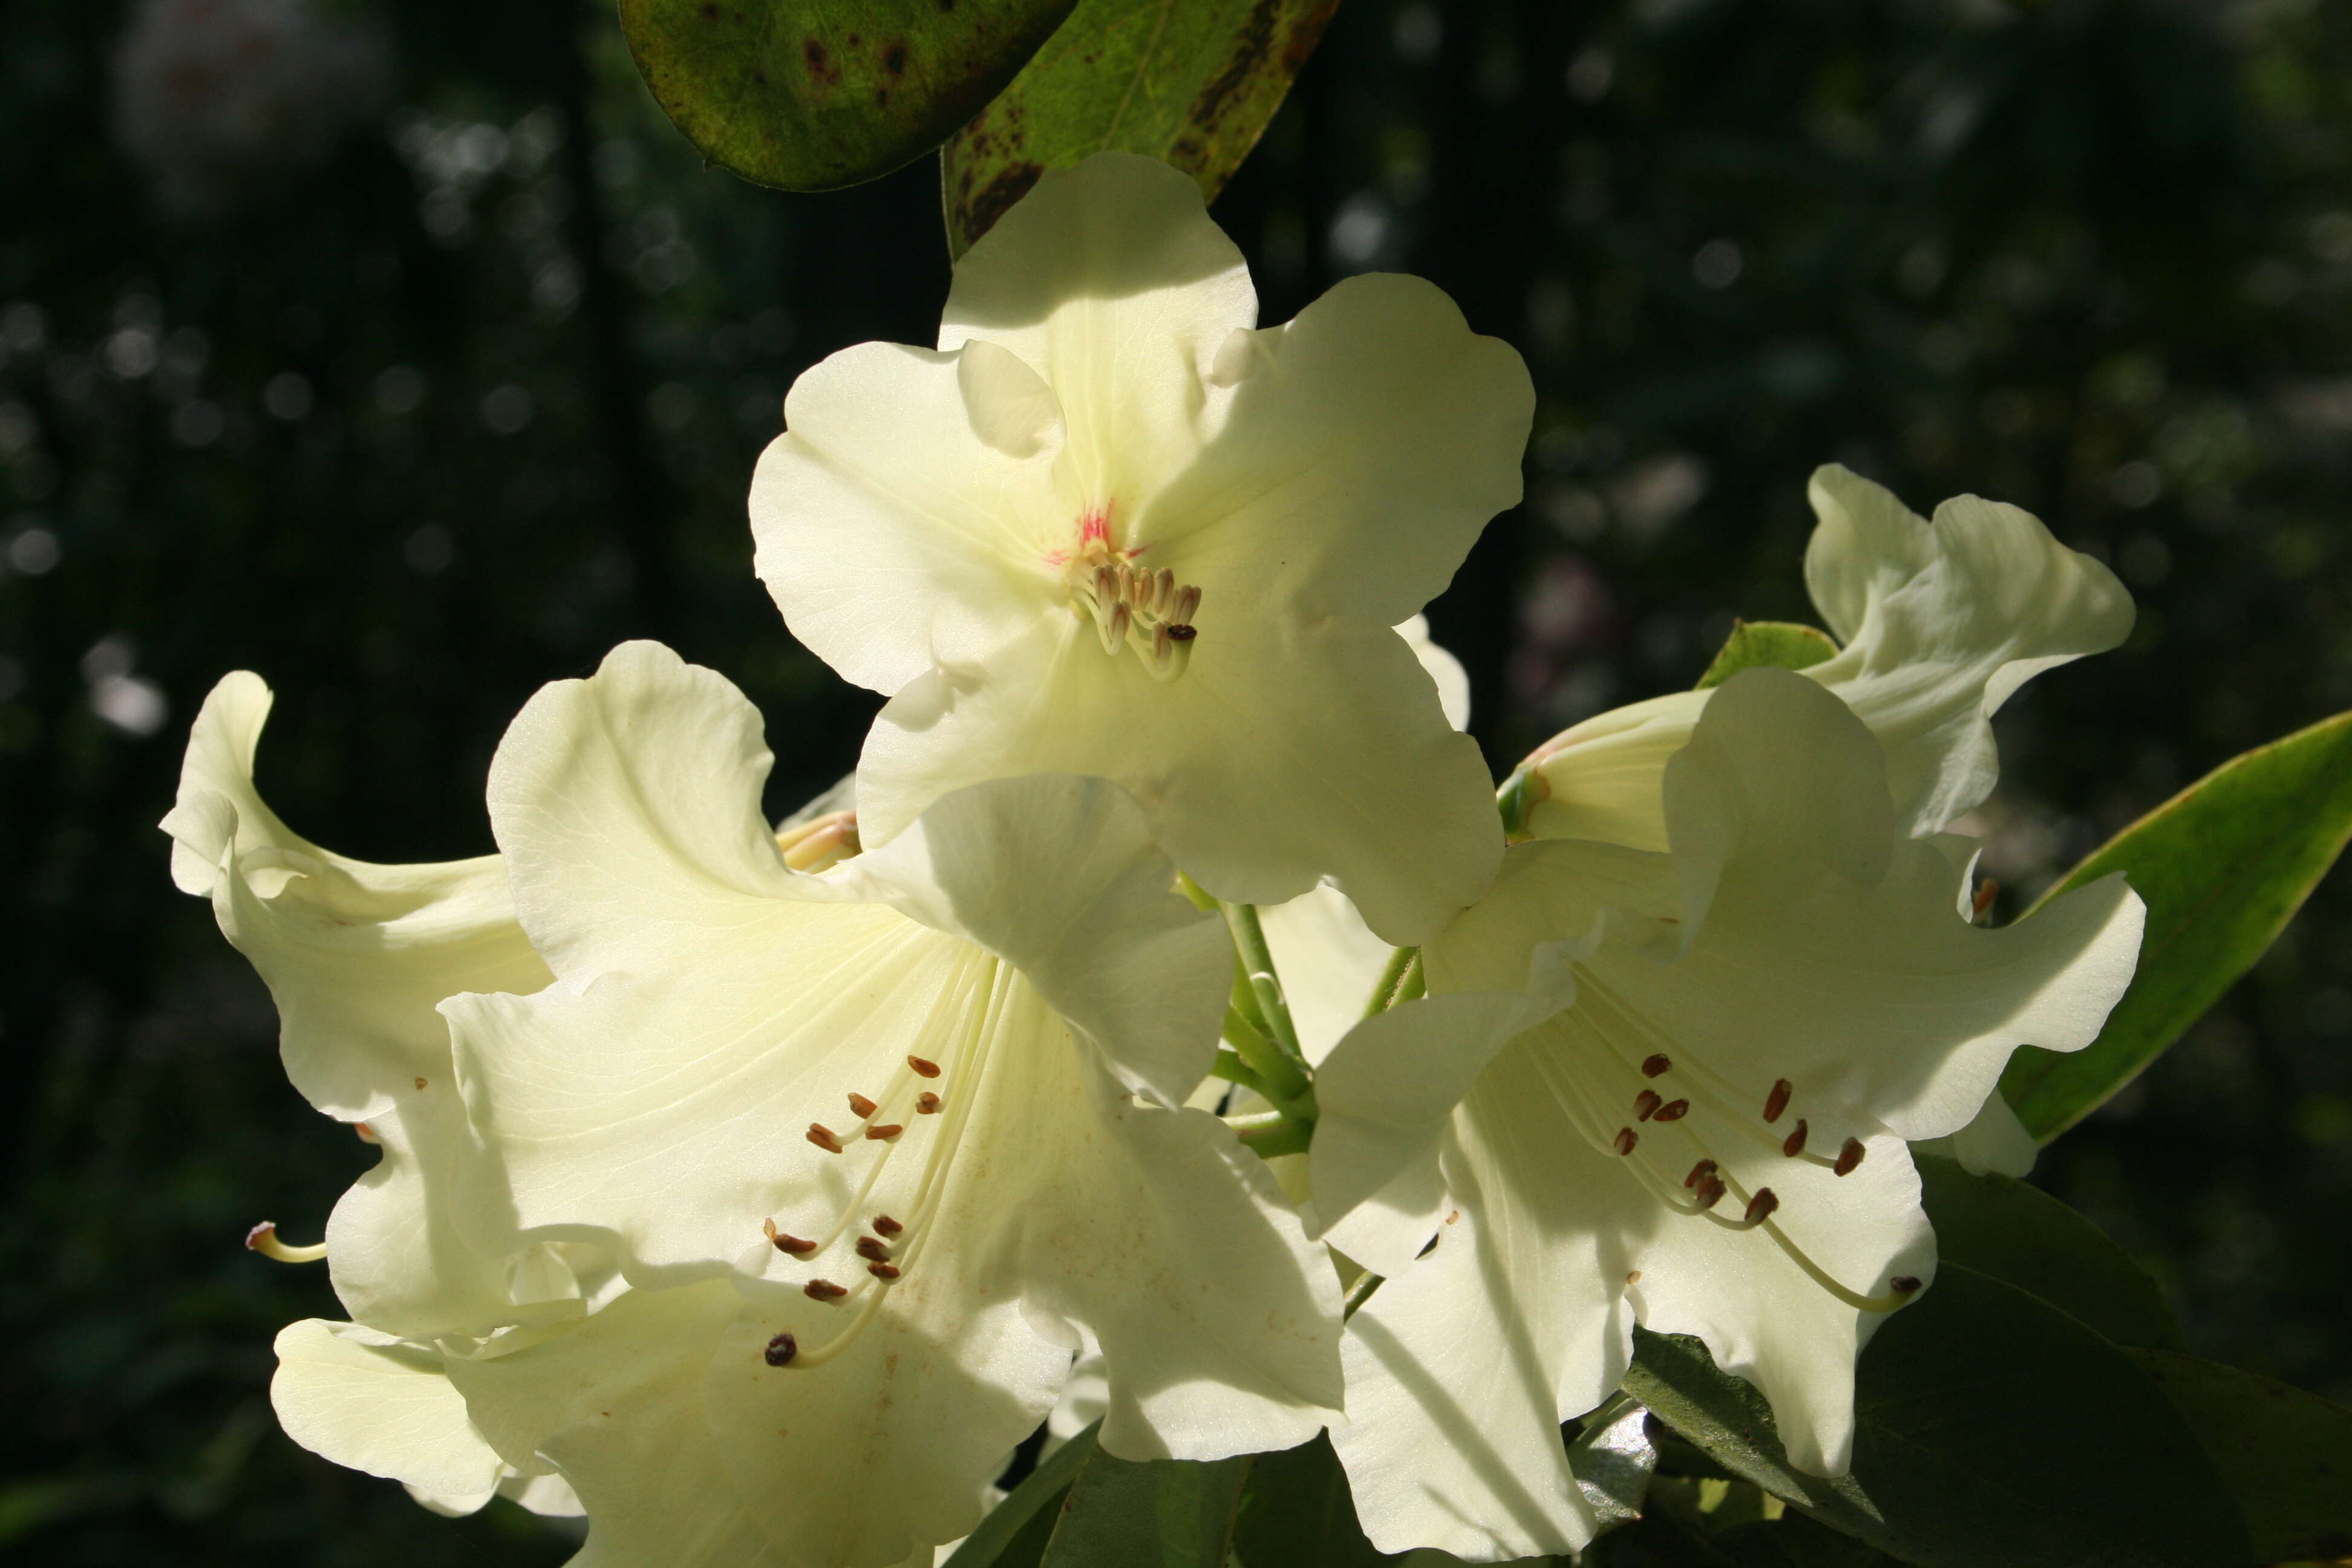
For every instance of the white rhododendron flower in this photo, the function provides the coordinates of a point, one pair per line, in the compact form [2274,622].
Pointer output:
[1941,622]
[873,1146]
[1672,1088]
[1111,527]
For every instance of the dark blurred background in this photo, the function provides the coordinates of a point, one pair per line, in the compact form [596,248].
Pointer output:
[406,355]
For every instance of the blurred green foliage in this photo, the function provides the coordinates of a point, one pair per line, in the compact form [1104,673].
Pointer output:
[409,357]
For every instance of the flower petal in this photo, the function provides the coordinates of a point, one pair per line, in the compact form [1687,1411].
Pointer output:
[1996,1141]
[1110,280]
[1942,622]
[355,955]
[1328,960]
[1284,755]
[906,510]
[372,1403]
[1452,681]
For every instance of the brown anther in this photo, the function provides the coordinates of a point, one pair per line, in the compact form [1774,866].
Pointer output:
[1625,1140]
[420,1083]
[885,1226]
[1699,1173]
[860,1106]
[1848,1158]
[883,1270]
[1903,1284]
[824,1290]
[822,1136]
[1182,634]
[1710,1191]
[1647,1101]
[780,1351]
[1777,1101]
[785,1242]
[1761,1205]
[1633,1277]
[872,1250]
[922,1068]
[1987,891]
[886,1131]
[1794,1143]
[1656,1066]
[1673,1111]
[926,1104]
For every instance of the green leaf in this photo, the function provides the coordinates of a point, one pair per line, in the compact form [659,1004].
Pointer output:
[1014,1533]
[2023,1237]
[1191,82]
[2288,1455]
[811,97]
[1296,1513]
[1796,1541]
[1613,1459]
[1162,1513]
[2222,865]
[1773,645]
[1989,1429]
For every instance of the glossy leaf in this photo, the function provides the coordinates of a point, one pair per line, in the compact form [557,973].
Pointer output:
[1296,1513]
[2286,1455]
[1613,1460]
[2222,866]
[1990,1428]
[1191,82]
[810,97]
[2023,1237]
[1774,645]
[1014,1533]
[1163,1513]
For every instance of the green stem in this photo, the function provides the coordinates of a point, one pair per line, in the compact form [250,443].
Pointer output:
[1236,1066]
[1360,1293]
[1272,1134]
[1392,980]
[1257,964]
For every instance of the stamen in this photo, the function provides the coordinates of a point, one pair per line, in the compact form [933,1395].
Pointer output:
[780,1351]
[1644,1103]
[1626,1139]
[798,1247]
[872,1250]
[263,1238]
[1765,1201]
[1795,1144]
[367,1134]
[1848,1158]
[1187,605]
[883,1270]
[822,1136]
[926,1104]
[1163,588]
[1710,1191]
[1987,891]
[1777,1101]
[860,1106]
[1673,1111]
[1903,1284]
[824,1290]
[885,1226]
[1656,1066]
[922,1068]
[883,1134]
[1700,1172]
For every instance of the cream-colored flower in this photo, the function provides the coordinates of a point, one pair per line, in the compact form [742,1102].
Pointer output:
[1672,1088]
[1110,527]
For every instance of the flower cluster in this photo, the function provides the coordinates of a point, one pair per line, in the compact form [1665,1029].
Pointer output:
[753,1188]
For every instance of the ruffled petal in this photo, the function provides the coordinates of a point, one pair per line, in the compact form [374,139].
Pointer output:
[1452,680]
[1942,622]
[372,1403]
[1110,280]
[355,955]
[1367,443]
[1286,754]
[906,512]
[1602,778]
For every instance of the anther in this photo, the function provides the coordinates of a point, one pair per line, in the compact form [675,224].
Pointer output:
[263,1238]
[1163,588]
[1777,1101]
[860,1106]
[1625,1140]
[1633,1277]
[1121,618]
[1795,1144]
[1904,1283]
[798,1247]
[872,1250]
[1656,1066]
[923,1069]
[1673,1111]
[1848,1158]
[1699,1173]
[1187,603]
[366,1133]
[885,1226]
[824,1290]
[1987,891]
[885,1133]
[1761,1205]
[780,1351]
[1710,1191]
[883,1270]
[822,1136]
[1647,1101]
[926,1104]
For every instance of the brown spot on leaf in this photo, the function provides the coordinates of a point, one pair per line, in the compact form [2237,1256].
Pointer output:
[894,59]
[982,208]
[819,63]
